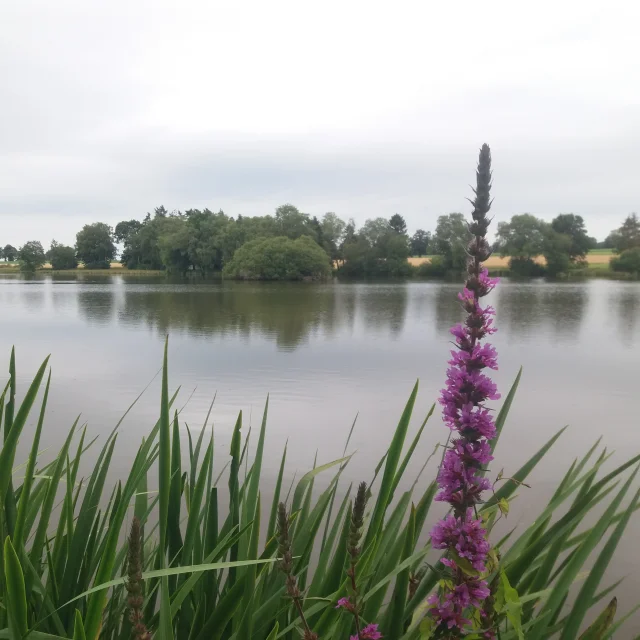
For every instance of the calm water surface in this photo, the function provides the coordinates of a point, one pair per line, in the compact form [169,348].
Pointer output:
[326,353]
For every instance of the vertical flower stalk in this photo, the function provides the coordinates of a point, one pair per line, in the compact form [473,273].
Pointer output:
[134,583]
[352,603]
[461,479]
[286,566]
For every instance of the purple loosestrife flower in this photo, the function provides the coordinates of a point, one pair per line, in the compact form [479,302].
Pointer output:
[461,478]
[370,632]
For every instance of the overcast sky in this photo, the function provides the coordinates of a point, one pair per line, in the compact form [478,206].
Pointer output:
[109,109]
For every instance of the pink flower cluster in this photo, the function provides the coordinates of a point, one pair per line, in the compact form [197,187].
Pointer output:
[461,479]
[370,632]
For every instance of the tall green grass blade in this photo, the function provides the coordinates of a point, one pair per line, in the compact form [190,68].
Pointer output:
[501,418]
[588,590]
[9,496]
[512,484]
[566,579]
[37,547]
[78,627]
[602,624]
[245,632]
[307,478]
[276,495]
[164,459]
[409,454]
[390,468]
[397,611]
[8,452]
[25,494]
[16,592]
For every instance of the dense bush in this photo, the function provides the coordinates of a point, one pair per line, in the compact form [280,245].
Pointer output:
[279,258]
[378,250]
[526,267]
[433,268]
[628,261]
[101,264]
[61,256]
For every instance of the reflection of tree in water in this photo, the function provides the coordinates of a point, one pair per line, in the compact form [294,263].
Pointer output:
[384,307]
[97,305]
[518,308]
[530,308]
[564,308]
[448,309]
[625,303]
[288,312]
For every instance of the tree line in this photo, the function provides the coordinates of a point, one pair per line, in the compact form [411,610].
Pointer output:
[564,244]
[293,245]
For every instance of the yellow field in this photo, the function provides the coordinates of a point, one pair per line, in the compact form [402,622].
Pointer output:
[114,265]
[496,262]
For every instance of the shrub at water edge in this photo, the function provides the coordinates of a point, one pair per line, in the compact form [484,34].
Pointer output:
[279,258]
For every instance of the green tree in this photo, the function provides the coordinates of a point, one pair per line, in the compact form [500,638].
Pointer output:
[627,262]
[31,256]
[125,229]
[291,222]
[377,250]
[522,239]
[61,256]
[451,239]
[333,230]
[173,243]
[142,248]
[9,253]
[398,224]
[572,225]
[420,242]
[556,250]
[95,247]
[279,258]
[206,235]
[627,236]
[374,229]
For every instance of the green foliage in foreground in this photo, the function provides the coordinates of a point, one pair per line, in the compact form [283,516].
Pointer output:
[211,572]
[279,258]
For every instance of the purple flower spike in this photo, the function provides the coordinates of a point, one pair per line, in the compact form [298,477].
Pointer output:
[370,632]
[461,477]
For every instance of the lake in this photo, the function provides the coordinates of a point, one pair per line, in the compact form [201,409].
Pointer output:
[326,353]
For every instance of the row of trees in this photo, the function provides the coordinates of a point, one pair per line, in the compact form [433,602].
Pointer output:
[94,247]
[205,241]
[564,243]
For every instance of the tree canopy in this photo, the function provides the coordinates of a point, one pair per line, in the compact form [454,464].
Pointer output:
[61,256]
[9,253]
[573,226]
[420,242]
[94,245]
[451,239]
[31,256]
[398,224]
